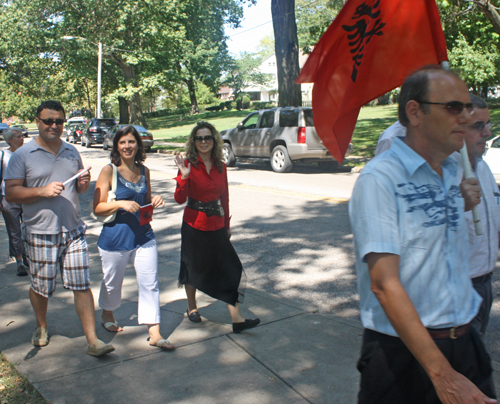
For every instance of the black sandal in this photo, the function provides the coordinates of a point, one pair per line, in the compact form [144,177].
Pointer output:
[239,327]
[194,316]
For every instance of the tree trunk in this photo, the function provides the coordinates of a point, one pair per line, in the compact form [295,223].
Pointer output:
[192,95]
[88,94]
[123,105]
[135,108]
[287,52]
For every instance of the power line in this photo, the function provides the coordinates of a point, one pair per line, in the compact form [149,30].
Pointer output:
[249,29]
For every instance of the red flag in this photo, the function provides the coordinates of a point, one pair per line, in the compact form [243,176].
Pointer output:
[368,50]
[146,214]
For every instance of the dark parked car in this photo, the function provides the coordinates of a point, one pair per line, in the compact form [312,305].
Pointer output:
[146,137]
[22,128]
[74,132]
[94,131]
[283,135]
[3,126]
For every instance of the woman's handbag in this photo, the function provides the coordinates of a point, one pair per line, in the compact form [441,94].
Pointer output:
[111,198]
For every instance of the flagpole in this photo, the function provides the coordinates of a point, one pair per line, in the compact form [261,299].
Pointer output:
[467,172]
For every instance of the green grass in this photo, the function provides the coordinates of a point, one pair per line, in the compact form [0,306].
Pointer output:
[175,130]
[372,121]
[15,388]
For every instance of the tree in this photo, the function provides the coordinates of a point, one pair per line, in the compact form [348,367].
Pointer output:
[287,52]
[244,72]
[144,43]
[202,56]
[313,19]
[266,46]
[472,42]
[476,64]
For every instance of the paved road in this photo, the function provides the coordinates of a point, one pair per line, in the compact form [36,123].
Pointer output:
[291,231]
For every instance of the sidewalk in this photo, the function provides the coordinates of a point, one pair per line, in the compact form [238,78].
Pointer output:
[296,355]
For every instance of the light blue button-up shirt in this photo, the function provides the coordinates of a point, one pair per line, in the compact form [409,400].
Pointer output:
[401,206]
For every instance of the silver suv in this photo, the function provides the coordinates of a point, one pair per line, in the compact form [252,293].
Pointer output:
[283,135]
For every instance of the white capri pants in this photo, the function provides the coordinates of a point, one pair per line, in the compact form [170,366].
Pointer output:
[145,260]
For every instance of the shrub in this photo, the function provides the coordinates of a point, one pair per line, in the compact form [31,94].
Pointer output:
[262,104]
[243,102]
[215,108]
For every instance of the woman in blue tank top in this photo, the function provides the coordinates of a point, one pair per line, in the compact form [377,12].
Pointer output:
[124,238]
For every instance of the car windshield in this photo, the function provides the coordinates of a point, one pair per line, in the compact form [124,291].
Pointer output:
[140,129]
[103,124]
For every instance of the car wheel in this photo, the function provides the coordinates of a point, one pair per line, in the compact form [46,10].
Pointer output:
[328,165]
[228,155]
[147,149]
[105,145]
[280,160]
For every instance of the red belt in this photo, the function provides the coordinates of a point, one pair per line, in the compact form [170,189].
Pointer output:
[448,333]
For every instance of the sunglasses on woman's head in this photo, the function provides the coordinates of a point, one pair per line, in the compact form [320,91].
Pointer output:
[203,138]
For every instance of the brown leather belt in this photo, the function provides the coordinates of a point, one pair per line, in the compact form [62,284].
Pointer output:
[448,333]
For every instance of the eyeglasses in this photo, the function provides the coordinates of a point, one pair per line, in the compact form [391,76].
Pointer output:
[207,139]
[480,125]
[453,107]
[50,121]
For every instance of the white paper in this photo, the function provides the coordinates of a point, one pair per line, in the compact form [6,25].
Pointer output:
[76,175]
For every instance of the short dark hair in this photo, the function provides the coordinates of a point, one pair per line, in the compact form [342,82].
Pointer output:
[53,105]
[478,102]
[416,87]
[123,131]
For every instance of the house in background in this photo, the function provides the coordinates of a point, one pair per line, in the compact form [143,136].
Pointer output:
[225,94]
[270,92]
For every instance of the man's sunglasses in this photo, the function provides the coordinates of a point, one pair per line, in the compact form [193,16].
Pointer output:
[453,107]
[204,138]
[480,125]
[50,121]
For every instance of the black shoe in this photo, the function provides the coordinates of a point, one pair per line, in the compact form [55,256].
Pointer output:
[194,316]
[22,270]
[239,327]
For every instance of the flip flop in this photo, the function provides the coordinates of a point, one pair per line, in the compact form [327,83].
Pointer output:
[160,343]
[111,324]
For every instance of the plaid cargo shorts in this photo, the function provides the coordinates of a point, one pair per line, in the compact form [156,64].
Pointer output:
[67,250]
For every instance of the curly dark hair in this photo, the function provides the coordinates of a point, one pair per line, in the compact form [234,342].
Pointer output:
[192,152]
[54,105]
[140,156]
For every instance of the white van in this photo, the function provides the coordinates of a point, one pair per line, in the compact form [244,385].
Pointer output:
[77,119]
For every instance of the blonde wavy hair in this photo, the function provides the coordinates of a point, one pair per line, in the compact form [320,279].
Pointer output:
[192,152]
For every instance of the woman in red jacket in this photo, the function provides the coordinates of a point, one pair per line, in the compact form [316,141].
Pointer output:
[208,260]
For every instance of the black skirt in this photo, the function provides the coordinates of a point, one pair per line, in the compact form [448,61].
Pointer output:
[210,264]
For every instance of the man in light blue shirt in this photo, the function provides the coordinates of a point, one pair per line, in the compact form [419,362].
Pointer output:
[417,300]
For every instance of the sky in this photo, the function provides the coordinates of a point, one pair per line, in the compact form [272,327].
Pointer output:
[257,23]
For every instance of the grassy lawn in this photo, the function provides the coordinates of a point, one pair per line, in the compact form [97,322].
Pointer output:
[371,123]
[15,388]
[175,130]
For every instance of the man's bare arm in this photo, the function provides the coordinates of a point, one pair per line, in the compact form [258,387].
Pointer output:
[451,386]
[16,192]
